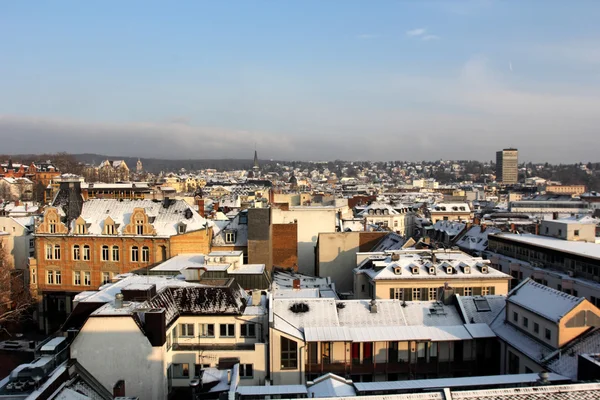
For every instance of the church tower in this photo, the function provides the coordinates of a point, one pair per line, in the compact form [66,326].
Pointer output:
[139,167]
[255,167]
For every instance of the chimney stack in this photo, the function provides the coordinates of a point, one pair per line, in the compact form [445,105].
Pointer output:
[201,208]
[119,389]
[119,302]
[373,307]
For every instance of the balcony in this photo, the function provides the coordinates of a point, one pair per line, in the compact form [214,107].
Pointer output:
[420,367]
[185,346]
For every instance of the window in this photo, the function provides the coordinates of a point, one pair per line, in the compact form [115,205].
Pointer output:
[186,330]
[87,278]
[227,330]
[548,334]
[248,330]
[513,363]
[31,242]
[33,276]
[139,226]
[80,229]
[76,253]
[76,278]
[468,291]
[432,293]
[106,278]
[86,252]
[169,341]
[515,317]
[145,254]
[135,254]
[560,232]
[207,330]
[289,354]
[536,327]
[198,368]
[181,229]
[104,253]
[398,294]
[485,291]
[57,277]
[362,288]
[110,229]
[576,232]
[181,370]
[50,278]
[416,294]
[115,253]
[229,237]
[52,227]
[525,322]
[246,371]
[49,252]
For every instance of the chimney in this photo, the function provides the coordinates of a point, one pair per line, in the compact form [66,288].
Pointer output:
[119,302]
[513,228]
[296,284]
[17,203]
[537,229]
[555,215]
[476,221]
[201,208]
[483,226]
[373,307]
[119,389]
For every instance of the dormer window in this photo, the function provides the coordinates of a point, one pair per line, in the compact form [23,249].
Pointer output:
[484,269]
[181,228]
[449,270]
[398,270]
[80,229]
[431,270]
[467,270]
[230,237]
[52,227]
[139,227]
[415,270]
[109,229]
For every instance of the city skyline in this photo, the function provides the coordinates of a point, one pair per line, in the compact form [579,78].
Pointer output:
[304,81]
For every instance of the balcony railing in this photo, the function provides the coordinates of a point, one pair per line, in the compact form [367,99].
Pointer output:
[188,346]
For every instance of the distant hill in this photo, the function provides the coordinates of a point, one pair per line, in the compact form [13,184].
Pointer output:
[156,165]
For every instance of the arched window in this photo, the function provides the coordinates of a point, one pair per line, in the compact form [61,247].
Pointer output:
[86,252]
[115,253]
[139,226]
[145,254]
[135,254]
[105,253]
[76,253]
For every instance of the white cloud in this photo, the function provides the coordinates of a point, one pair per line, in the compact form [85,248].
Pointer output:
[368,36]
[416,32]
[430,37]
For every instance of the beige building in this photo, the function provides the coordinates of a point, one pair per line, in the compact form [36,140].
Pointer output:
[539,324]
[399,218]
[450,212]
[507,166]
[565,189]
[16,189]
[164,331]
[18,241]
[422,274]
[576,229]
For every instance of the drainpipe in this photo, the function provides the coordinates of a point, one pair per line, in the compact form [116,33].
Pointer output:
[301,350]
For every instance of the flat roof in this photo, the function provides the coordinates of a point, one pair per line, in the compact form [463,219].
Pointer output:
[584,249]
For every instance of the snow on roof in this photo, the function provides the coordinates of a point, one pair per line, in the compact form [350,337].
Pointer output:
[586,391]
[475,239]
[381,207]
[391,241]
[246,269]
[478,331]
[450,207]
[271,390]
[423,261]
[451,228]
[565,361]
[331,385]
[474,315]
[584,249]
[429,384]
[180,262]
[164,220]
[240,230]
[543,300]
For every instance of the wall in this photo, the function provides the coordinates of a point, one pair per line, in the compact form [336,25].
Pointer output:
[281,376]
[114,348]
[336,255]
[311,221]
[17,242]
[192,242]
[382,287]
[566,334]
[533,318]
[259,237]
[564,230]
[285,245]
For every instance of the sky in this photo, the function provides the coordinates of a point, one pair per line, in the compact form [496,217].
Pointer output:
[302,80]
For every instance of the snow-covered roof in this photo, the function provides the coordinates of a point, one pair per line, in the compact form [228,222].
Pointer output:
[330,385]
[450,207]
[391,241]
[380,208]
[451,228]
[543,300]
[309,286]
[421,264]
[476,240]
[481,309]
[164,219]
[240,230]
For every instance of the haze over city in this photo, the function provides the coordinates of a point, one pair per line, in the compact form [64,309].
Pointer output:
[302,80]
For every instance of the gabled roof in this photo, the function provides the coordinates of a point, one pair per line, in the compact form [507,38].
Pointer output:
[543,300]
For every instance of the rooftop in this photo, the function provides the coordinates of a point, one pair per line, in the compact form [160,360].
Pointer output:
[543,300]
[583,249]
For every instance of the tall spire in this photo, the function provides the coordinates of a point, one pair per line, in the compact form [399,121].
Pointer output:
[255,160]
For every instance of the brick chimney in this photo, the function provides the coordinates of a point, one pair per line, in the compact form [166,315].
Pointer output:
[201,207]
[296,283]
[119,389]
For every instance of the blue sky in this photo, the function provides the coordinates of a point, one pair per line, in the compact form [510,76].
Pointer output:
[377,80]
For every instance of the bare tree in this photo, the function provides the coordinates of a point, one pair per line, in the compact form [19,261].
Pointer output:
[16,299]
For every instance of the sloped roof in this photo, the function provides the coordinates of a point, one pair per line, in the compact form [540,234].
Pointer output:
[543,300]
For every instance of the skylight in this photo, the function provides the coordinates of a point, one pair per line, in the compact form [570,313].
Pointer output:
[482,304]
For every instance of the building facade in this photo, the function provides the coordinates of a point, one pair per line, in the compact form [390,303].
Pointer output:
[507,166]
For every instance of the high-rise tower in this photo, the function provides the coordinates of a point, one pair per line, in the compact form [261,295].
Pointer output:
[507,166]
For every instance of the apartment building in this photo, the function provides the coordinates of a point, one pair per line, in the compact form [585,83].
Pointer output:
[575,228]
[374,341]
[410,275]
[450,212]
[157,333]
[19,241]
[83,245]
[398,218]
[566,189]
[543,329]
